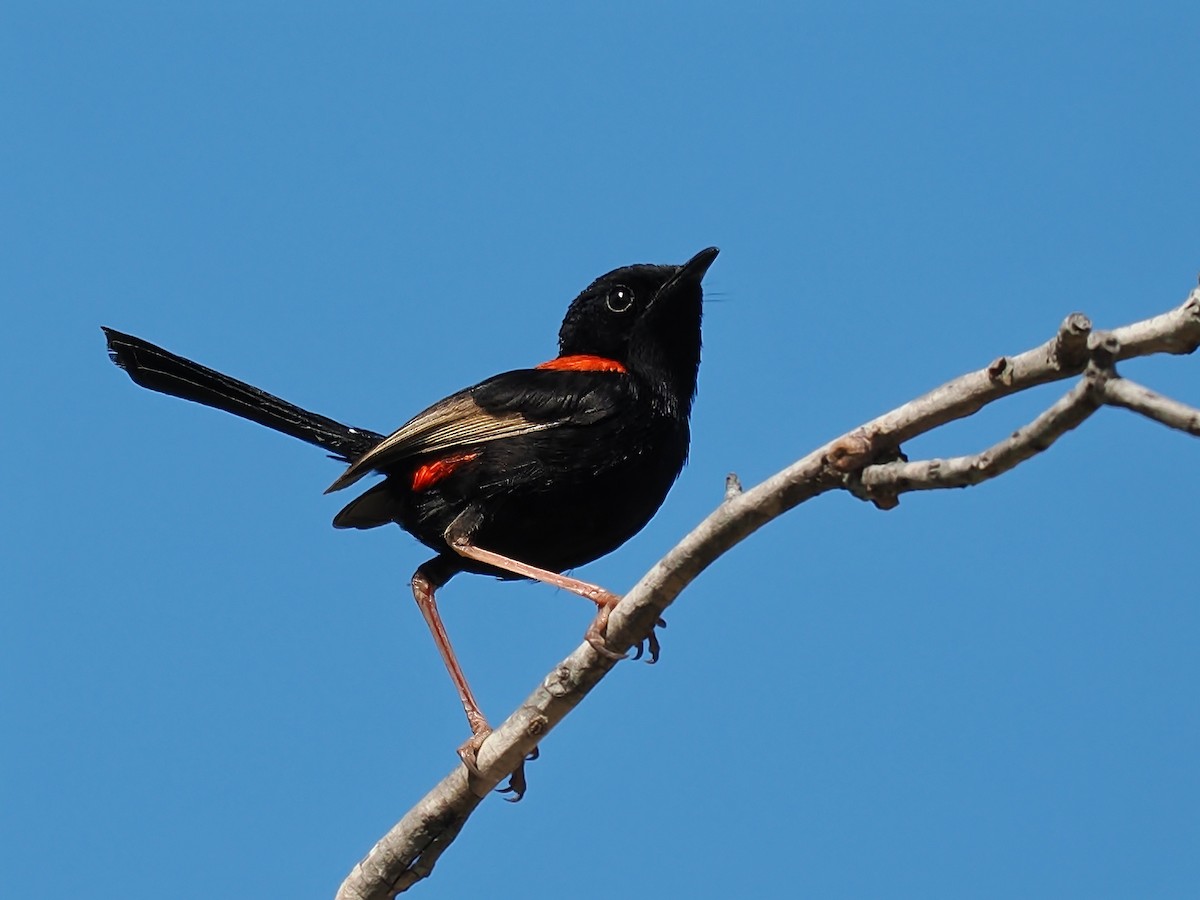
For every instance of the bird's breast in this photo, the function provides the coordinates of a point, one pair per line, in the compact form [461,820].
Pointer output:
[557,498]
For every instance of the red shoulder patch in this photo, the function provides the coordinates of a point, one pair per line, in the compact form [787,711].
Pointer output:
[431,473]
[583,363]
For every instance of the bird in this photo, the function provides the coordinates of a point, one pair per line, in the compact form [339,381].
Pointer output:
[525,475]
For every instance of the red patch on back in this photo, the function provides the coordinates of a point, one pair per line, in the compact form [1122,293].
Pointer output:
[583,363]
[431,473]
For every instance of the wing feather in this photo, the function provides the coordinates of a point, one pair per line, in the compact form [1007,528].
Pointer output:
[506,406]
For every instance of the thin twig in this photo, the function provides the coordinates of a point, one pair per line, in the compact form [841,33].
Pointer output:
[1071,410]
[1131,395]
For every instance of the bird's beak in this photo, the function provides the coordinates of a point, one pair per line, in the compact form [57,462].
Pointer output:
[690,273]
[698,264]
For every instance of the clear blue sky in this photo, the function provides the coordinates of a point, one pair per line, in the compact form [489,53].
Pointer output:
[208,692]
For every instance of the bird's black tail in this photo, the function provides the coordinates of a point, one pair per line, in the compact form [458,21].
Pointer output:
[154,368]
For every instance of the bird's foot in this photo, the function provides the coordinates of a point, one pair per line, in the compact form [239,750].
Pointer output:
[469,751]
[517,785]
[651,641]
[596,634]
[469,754]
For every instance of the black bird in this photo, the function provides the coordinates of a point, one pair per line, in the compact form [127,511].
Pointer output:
[525,475]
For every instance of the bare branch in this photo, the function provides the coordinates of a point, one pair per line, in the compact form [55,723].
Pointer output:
[961,471]
[1177,331]
[866,462]
[1131,395]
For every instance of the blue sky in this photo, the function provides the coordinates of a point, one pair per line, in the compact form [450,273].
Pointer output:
[983,693]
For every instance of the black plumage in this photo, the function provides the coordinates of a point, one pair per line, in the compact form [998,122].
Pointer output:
[527,474]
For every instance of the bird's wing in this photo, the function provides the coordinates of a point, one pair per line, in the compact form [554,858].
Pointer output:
[505,406]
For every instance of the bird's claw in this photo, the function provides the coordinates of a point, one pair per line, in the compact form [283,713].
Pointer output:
[517,785]
[596,636]
[650,640]
[469,754]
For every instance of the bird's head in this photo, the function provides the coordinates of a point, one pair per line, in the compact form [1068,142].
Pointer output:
[645,317]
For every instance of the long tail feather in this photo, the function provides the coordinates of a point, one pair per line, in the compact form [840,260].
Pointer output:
[155,368]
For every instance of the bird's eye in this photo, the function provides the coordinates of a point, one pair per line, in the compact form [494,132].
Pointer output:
[619,299]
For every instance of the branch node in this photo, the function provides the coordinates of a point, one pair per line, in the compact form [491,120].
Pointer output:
[885,500]
[1103,347]
[1097,375]
[883,497]
[1071,342]
[1192,306]
[1000,370]
[852,451]
[560,682]
[733,485]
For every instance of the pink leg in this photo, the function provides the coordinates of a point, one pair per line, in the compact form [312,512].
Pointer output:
[603,599]
[423,587]
[426,580]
